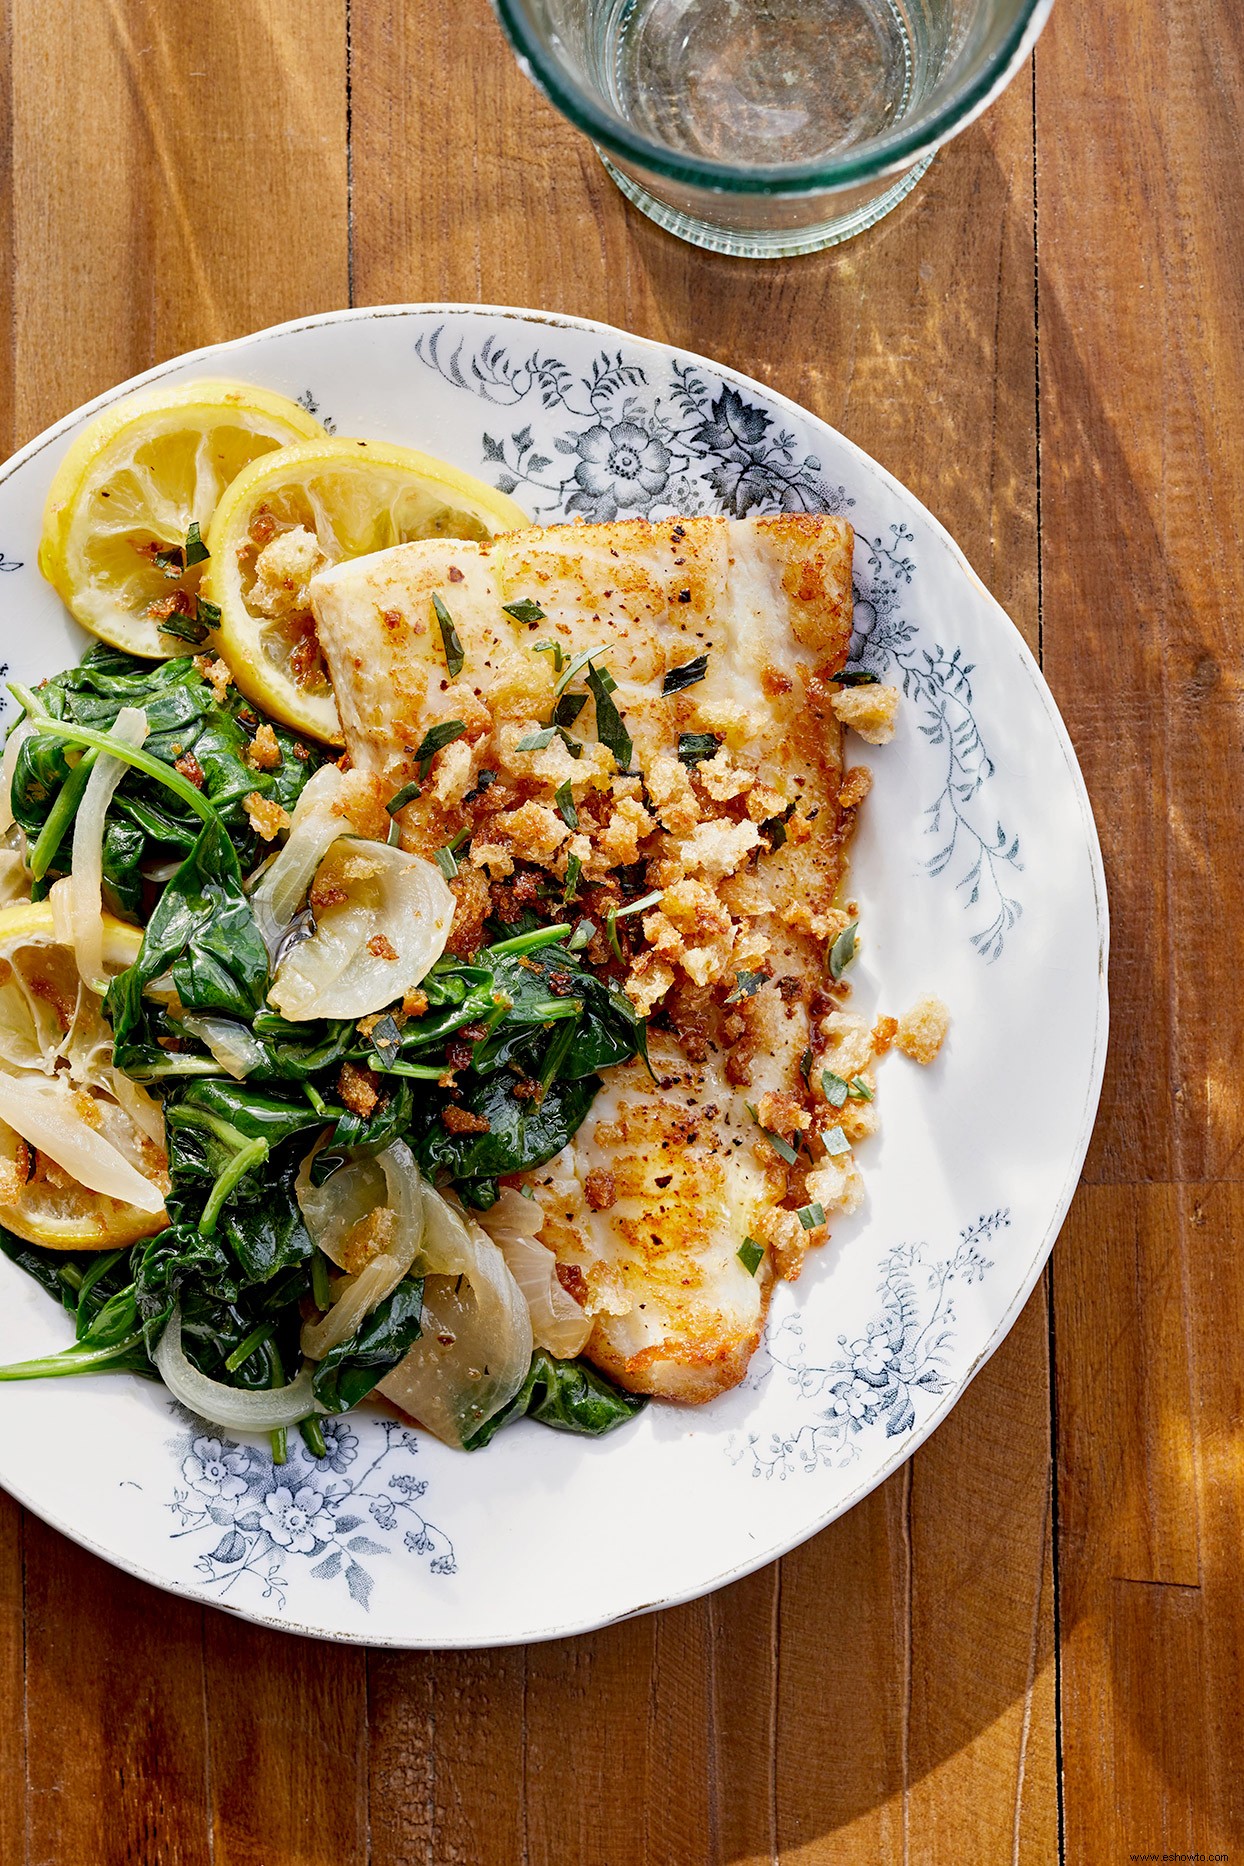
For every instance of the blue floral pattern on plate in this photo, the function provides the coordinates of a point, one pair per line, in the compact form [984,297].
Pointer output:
[260,1516]
[879,1375]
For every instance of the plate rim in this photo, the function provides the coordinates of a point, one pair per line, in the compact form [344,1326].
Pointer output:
[920,1433]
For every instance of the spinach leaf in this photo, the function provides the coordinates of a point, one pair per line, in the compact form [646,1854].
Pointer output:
[520,1134]
[570,1396]
[186,721]
[203,930]
[349,1371]
[109,1339]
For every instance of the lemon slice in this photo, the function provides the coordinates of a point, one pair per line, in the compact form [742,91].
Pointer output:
[54,1042]
[292,513]
[131,486]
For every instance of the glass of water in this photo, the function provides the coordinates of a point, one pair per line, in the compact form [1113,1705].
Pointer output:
[770,127]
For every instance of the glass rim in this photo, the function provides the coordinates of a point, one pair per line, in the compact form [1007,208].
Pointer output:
[863,163]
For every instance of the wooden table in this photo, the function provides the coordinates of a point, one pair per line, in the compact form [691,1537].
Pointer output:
[1027,1645]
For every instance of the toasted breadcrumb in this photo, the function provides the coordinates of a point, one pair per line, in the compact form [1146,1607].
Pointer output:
[216,674]
[462,1121]
[922,1030]
[849,1044]
[283,571]
[718,848]
[600,1189]
[357,1089]
[267,817]
[669,787]
[884,1032]
[648,983]
[263,753]
[534,832]
[455,773]
[495,857]
[381,947]
[369,1237]
[721,778]
[871,711]
[15,1173]
[855,787]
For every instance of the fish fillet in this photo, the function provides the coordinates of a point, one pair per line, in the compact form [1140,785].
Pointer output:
[729,807]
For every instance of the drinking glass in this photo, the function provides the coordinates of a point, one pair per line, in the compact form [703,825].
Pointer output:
[770,127]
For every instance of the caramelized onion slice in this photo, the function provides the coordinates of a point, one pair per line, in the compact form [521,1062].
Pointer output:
[475,1349]
[557,1320]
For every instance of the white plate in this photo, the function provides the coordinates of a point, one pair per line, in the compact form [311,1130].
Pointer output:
[979,877]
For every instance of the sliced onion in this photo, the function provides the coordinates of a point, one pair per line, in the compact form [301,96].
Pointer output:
[327,1222]
[383,925]
[475,1349]
[317,822]
[235,1048]
[557,1320]
[143,1109]
[331,1211]
[8,764]
[14,877]
[238,1409]
[87,871]
[44,1113]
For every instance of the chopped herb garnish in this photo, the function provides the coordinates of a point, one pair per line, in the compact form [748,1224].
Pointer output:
[446,861]
[774,827]
[537,741]
[805,1066]
[746,985]
[572,745]
[208,613]
[550,647]
[434,740]
[694,746]
[581,937]
[572,667]
[564,798]
[196,551]
[574,868]
[171,562]
[842,951]
[622,913]
[859,1090]
[836,1089]
[859,677]
[185,628]
[609,727]
[527,611]
[403,797]
[685,676]
[781,1147]
[385,1037]
[455,656]
[749,1255]
[835,1141]
[568,708]
[810,1215]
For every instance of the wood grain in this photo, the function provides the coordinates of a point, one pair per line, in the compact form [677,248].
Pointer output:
[171,176]
[1141,304]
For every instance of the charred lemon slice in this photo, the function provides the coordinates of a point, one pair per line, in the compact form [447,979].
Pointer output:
[120,509]
[290,514]
[62,1105]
